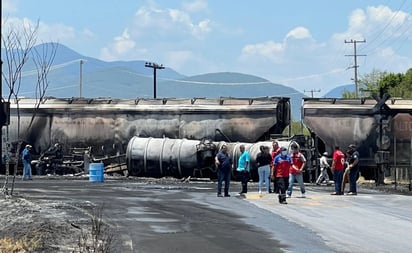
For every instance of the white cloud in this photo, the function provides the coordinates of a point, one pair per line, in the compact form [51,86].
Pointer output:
[169,21]
[123,43]
[45,33]
[377,23]
[385,32]
[9,6]
[195,6]
[274,51]
[299,33]
[158,27]
[268,50]
[383,14]
[56,32]
[357,20]
[120,48]
[201,29]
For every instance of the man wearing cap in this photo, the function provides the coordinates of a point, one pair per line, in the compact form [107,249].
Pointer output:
[26,158]
[280,173]
[353,168]
[324,166]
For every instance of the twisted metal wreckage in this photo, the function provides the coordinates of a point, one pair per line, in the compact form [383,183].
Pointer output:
[179,137]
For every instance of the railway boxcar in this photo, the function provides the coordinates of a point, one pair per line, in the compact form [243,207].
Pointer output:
[107,124]
[380,129]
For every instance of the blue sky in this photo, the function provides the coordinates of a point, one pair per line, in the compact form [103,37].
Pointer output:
[295,43]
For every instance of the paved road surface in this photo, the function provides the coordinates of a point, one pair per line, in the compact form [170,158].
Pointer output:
[188,217]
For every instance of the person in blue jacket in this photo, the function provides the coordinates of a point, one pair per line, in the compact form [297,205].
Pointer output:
[26,158]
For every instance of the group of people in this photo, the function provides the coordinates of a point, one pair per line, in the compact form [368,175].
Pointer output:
[345,168]
[284,169]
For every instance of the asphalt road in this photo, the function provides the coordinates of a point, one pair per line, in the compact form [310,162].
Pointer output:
[188,217]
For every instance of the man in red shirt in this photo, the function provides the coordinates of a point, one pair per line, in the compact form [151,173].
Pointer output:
[280,173]
[295,172]
[337,170]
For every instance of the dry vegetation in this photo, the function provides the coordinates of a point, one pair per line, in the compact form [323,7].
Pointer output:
[26,226]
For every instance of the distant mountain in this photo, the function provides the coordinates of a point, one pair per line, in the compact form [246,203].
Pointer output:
[337,92]
[131,79]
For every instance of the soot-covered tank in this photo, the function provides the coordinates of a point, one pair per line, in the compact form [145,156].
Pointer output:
[158,157]
[108,124]
[382,130]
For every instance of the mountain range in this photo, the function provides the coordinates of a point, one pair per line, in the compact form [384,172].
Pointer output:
[73,73]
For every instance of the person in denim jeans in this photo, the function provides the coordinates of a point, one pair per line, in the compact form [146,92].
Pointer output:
[275,151]
[224,166]
[26,159]
[337,168]
[263,161]
[296,169]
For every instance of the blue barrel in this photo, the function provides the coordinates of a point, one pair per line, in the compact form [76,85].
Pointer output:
[96,172]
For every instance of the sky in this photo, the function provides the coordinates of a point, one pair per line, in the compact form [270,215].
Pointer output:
[300,44]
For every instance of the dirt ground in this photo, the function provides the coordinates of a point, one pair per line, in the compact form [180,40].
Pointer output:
[26,225]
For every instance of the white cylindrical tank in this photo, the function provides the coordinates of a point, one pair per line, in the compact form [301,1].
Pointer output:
[158,157]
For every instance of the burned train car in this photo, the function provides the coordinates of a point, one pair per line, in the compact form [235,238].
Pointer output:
[107,124]
[382,130]
[159,157]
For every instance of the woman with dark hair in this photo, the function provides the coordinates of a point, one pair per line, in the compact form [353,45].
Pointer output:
[263,161]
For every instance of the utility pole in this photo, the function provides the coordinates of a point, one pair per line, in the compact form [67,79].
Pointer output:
[355,66]
[81,77]
[155,67]
[312,91]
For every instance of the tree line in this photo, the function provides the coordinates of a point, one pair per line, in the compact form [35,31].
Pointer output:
[397,85]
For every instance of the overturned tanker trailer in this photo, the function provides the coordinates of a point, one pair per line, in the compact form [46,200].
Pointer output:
[159,157]
[380,128]
[107,124]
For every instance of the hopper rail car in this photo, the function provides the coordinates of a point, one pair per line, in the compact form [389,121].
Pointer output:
[380,128]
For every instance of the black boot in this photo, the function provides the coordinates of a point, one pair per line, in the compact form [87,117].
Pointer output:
[282,199]
[244,188]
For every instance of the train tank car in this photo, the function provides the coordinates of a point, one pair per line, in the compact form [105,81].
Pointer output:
[158,157]
[380,129]
[106,123]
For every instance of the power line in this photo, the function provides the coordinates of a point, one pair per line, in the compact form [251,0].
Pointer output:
[312,91]
[355,57]
[381,32]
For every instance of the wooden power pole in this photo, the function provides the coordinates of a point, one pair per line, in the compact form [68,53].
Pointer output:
[355,58]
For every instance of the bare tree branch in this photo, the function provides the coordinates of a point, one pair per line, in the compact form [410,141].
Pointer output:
[17,46]
[43,61]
